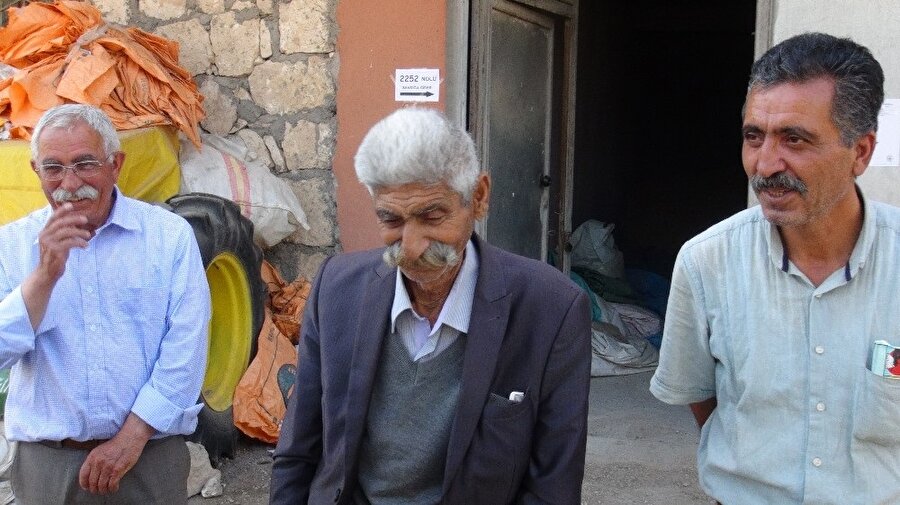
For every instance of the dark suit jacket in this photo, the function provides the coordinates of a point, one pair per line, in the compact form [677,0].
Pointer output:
[529,331]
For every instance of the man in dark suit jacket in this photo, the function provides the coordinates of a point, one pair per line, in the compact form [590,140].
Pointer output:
[440,369]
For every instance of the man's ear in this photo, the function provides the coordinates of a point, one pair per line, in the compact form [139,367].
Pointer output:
[863,150]
[117,162]
[481,196]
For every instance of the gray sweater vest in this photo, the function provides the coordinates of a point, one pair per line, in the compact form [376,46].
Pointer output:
[411,411]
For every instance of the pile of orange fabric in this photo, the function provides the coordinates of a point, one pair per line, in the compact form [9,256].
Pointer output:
[65,52]
[286,301]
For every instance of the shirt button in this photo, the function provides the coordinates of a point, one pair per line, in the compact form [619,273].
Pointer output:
[817,462]
[821,408]
[820,349]
[93,327]
[89,289]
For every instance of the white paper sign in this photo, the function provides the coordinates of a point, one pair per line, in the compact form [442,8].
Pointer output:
[887,147]
[417,84]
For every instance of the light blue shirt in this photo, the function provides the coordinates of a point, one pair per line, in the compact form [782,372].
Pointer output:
[800,418]
[125,329]
[423,341]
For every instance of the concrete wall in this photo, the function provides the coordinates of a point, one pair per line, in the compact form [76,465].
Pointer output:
[870,23]
[267,70]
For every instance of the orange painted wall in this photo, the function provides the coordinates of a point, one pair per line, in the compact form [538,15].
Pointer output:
[376,37]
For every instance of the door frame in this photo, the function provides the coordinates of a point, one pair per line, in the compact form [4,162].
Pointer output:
[468,22]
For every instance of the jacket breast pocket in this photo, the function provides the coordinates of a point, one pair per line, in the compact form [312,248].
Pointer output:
[499,407]
[498,456]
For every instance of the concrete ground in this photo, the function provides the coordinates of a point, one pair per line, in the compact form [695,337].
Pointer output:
[639,451]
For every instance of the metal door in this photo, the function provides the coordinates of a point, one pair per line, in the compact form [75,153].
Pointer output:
[521,114]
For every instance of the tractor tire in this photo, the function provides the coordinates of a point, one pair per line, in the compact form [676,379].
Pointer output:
[238,296]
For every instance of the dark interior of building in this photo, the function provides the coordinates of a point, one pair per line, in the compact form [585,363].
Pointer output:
[660,85]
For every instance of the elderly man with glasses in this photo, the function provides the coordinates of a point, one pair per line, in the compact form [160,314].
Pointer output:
[103,314]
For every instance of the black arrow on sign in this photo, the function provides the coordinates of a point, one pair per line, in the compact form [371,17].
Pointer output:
[418,93]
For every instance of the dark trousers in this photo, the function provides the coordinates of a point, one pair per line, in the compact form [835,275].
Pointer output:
[44,475]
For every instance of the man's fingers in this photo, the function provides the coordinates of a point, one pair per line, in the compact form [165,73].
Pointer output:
[104,468]
[113,484]
[90,474]
[84,475]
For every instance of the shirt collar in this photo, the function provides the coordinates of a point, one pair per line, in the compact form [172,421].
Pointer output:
[457,308]
[860,250]
[123,213]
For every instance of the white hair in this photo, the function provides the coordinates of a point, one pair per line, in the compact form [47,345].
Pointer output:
[417,145]
[68,116]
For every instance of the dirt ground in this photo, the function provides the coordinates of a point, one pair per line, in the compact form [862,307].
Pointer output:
[639,451]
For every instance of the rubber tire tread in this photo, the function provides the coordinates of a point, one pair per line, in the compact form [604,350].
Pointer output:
[219,227]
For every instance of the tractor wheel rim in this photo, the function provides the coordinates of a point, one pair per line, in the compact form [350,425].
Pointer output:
[229,329]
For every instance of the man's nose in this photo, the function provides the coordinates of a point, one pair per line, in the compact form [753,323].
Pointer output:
[70,181]
[768,158]
[413,243]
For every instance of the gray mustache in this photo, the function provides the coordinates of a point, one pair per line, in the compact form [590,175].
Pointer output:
[437,255]
[82,193]
[780,180]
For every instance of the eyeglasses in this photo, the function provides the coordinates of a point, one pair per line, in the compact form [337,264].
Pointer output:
[83,169]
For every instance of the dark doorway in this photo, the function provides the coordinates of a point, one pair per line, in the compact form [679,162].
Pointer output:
[660,85]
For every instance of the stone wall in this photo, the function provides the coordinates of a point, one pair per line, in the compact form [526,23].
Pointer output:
[267,70]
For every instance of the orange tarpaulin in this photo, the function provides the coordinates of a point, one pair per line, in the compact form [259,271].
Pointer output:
[66,53]
[260,399]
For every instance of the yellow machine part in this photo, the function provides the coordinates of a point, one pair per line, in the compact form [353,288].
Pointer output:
[151,172]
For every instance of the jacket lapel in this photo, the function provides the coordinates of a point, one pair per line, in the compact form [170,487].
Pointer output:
[487,326]
[370,332]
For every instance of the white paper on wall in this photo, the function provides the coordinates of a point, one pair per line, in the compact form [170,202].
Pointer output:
[887,147]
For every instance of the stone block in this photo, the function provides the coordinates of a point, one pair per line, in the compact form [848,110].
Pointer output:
[264,6]
[163,9]
[275,153]
[256,147]
[113,11]
[283,88]
[241,5]
[304,26]
[234,44]
[319,207]
[211,6]
[242,94]
[300,145]
[265,40]
[220,107]
[194,48]
[325,146]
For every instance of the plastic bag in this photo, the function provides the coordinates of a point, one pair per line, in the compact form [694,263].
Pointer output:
[593,247]
[220,167]
[260,399]
[614,353]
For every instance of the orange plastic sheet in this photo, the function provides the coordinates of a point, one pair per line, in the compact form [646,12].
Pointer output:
[286,300]
[65,53]
[260,399]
